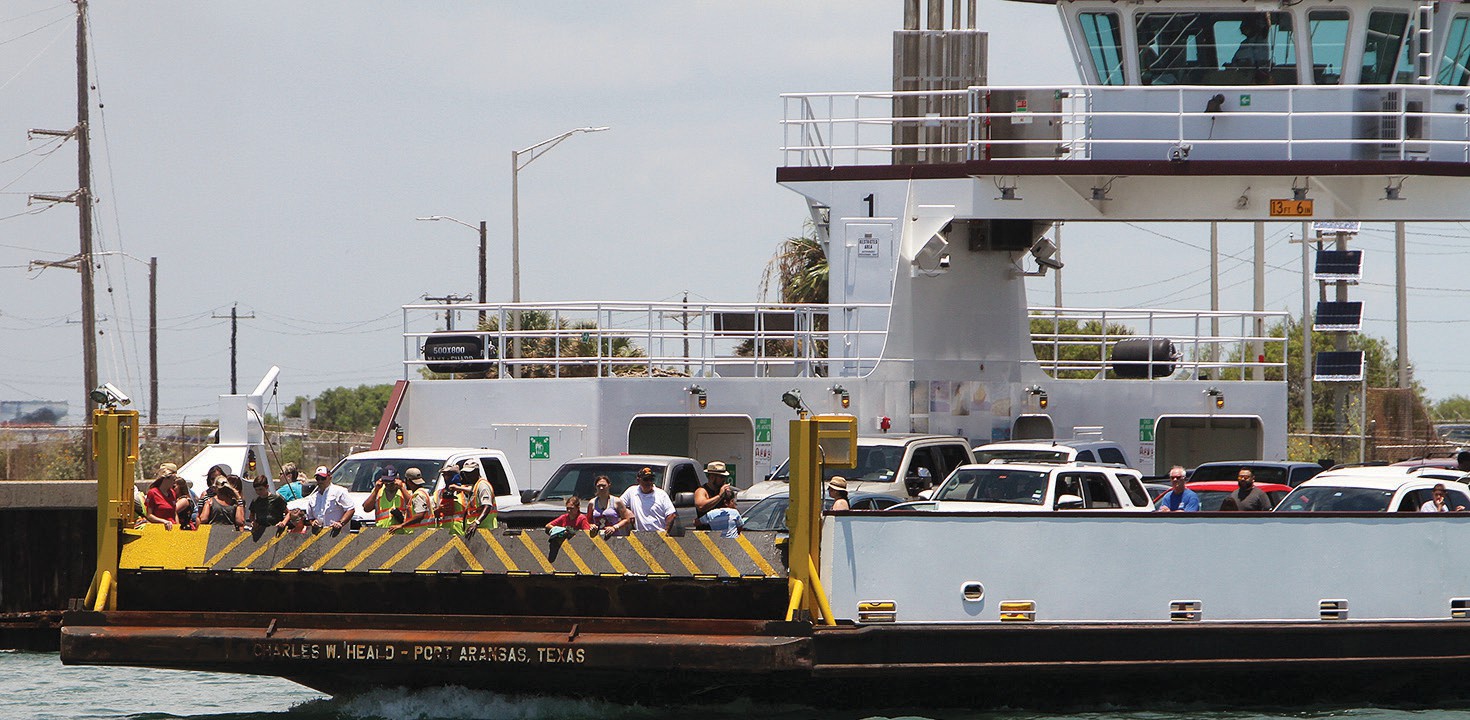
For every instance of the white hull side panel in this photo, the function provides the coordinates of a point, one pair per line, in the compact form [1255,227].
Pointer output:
[1080,567]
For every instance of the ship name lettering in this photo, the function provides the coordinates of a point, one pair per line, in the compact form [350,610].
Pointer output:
[562,655]
[291,650]
[368,651]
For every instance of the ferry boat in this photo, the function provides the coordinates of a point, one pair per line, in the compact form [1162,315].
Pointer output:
[933,201]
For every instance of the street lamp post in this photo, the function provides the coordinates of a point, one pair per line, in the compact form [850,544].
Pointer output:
[482,253]
[516,165]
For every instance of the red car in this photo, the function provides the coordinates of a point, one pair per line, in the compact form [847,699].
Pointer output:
[1212,492]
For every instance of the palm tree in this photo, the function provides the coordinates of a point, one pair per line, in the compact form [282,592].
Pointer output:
[799,269]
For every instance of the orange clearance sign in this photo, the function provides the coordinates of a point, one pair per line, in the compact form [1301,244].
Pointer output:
[1291,208]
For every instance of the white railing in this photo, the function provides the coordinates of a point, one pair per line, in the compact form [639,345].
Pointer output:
[1128,122]
[696,339]
[1205,344]
[704,339]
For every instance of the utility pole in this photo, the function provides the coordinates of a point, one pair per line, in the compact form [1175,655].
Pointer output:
[153,340]
[481,326]
[84,220]
[448,312]
[1401,302]
[82,262]
[234,317]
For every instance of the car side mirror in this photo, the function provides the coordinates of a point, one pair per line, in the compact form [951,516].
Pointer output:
[1069,502]
[768,477]
[684,499]
[528,496]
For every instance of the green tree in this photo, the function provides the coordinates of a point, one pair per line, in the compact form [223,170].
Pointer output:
[1053,354]
[581,338]
[346,409]
[63,461]
[1455,408]
[1378,355]
[799,271]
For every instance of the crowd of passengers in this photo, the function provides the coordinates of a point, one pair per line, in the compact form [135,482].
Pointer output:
[403,503]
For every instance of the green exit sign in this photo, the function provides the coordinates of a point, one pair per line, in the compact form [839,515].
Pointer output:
[540,447]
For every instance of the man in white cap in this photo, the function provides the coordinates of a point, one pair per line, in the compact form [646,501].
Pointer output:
[707,497]
[331,507]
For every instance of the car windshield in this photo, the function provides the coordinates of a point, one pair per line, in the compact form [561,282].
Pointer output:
[876,463]
[359,475]
[1323,498]
[1021,456]
[770,514]
[996,485]
[581,479]
[1262,473]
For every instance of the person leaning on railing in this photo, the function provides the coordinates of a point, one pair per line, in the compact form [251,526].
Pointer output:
[158,502]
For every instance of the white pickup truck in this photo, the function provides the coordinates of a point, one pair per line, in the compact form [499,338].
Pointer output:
[897,464]
[359,471]
[1017,487]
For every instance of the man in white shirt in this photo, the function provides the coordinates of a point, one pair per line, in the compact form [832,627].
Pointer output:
[331,507]
[652,509]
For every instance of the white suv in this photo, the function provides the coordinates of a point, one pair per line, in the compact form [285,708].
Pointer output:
[1370,489]
[1023,487]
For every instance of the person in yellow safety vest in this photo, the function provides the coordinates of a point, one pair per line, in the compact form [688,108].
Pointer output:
[450,506]
[387,499]
[418,503]
[482,511]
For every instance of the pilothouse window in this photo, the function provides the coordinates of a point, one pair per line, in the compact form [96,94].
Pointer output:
[1455,68]
[1216,48]
[1382,46]
[1105,44]
[1328,30]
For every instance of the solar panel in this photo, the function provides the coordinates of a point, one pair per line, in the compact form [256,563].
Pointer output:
[1335,265]
[1338,316]
[1339,366]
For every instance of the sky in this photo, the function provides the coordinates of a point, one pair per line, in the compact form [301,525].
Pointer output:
[274,156]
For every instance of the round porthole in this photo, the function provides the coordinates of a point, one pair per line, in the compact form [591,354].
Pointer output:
[972,592]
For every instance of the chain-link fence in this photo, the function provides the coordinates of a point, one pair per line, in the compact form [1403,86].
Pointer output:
[55,452]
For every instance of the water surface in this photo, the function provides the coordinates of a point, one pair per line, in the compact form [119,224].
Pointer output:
[37,685]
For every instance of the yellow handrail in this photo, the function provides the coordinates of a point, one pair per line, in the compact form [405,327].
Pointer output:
[104,593]
[796,595]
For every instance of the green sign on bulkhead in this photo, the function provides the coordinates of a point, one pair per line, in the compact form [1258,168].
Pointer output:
[1145,429]
[540,447]
[763,430]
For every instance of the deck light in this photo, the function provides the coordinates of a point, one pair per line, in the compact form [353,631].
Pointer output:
[699,393]
[1394,190]
[398,433]
[792,399]
[1217,395]
[1299,192]
[1038,393]
[842,391]
[1007,192]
